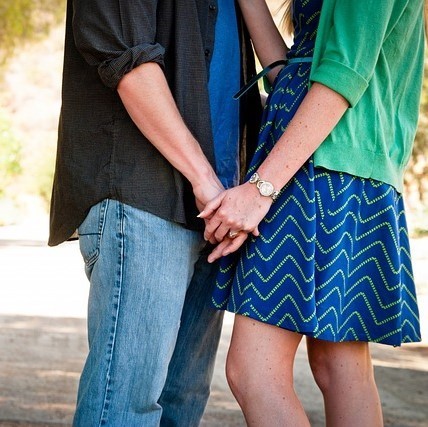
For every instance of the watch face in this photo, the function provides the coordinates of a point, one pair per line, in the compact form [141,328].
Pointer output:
[266,188]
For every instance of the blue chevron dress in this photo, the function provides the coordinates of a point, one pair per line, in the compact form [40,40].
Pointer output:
[332,260]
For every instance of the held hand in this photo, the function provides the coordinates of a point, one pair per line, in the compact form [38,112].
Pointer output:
[200,206]
[237,209]
[227,246]
[207,193]
[207,216]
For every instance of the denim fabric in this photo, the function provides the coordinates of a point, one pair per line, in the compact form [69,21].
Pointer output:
[147,307]
[223,83]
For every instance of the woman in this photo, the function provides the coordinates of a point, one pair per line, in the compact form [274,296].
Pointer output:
[327,256]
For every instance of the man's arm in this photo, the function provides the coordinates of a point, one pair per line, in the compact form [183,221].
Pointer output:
[130,61]
[146,96]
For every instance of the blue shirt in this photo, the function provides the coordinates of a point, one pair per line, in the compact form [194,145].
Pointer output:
[223,83]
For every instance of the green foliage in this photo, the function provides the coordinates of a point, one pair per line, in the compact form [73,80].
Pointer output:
[417,171]
[26,20]
[421,143]
[43,176]
[10,155]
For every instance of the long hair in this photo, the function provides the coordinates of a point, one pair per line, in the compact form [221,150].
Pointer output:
[287,17]
[287,20]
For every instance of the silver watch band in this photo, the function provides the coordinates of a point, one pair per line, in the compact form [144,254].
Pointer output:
[265,188]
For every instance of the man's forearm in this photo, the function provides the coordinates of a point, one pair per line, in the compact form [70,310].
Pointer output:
[147,97]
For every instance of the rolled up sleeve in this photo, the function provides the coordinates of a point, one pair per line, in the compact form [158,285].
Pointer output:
[116,36]
[353,43]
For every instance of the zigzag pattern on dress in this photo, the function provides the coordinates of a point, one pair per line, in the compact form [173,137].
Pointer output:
[331,267]
[332,260]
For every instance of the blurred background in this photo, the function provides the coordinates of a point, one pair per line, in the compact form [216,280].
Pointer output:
[31,41]
[43,290]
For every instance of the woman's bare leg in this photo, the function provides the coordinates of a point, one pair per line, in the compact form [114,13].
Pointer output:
[344,373]
[260,374]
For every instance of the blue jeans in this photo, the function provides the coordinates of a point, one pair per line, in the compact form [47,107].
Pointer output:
[152,336]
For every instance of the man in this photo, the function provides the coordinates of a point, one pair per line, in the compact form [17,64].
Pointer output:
[148,134]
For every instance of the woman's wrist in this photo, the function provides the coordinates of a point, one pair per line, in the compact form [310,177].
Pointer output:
[266,188]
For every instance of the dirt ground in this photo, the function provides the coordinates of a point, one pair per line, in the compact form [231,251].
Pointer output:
[43,343]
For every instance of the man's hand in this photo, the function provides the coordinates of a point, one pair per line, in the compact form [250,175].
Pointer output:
[239,209]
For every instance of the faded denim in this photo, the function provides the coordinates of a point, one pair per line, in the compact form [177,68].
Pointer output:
[152,338]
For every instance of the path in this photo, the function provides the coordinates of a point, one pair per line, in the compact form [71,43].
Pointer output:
[43,344]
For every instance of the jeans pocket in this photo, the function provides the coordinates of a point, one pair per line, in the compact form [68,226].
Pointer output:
[90,234]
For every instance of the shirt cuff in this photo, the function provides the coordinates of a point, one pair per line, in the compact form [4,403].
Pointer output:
[342,79]
[112,71]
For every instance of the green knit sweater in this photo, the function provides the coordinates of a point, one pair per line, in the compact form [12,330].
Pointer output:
[372,53]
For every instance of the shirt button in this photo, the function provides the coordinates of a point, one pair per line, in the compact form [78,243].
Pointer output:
[212,7]
[207,52]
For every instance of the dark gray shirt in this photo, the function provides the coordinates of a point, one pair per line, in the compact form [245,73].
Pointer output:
[101,153]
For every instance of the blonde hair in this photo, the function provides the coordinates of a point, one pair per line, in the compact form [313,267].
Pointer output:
[287,17]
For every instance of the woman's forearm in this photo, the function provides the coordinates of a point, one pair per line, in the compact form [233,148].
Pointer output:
[242,208]
[318,114]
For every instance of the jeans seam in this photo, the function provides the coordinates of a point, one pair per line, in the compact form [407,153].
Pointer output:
[101,225]
[102,220]
[117,298]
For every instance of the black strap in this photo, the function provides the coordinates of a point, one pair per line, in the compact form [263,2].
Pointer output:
[258,76]
[265,70]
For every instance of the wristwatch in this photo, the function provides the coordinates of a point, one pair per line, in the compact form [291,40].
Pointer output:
[265,187]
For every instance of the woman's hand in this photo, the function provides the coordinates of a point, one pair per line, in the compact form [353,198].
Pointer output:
[239,209]
[227,246]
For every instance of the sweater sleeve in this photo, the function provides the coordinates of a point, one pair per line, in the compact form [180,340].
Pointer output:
[353,42]
[116,36]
